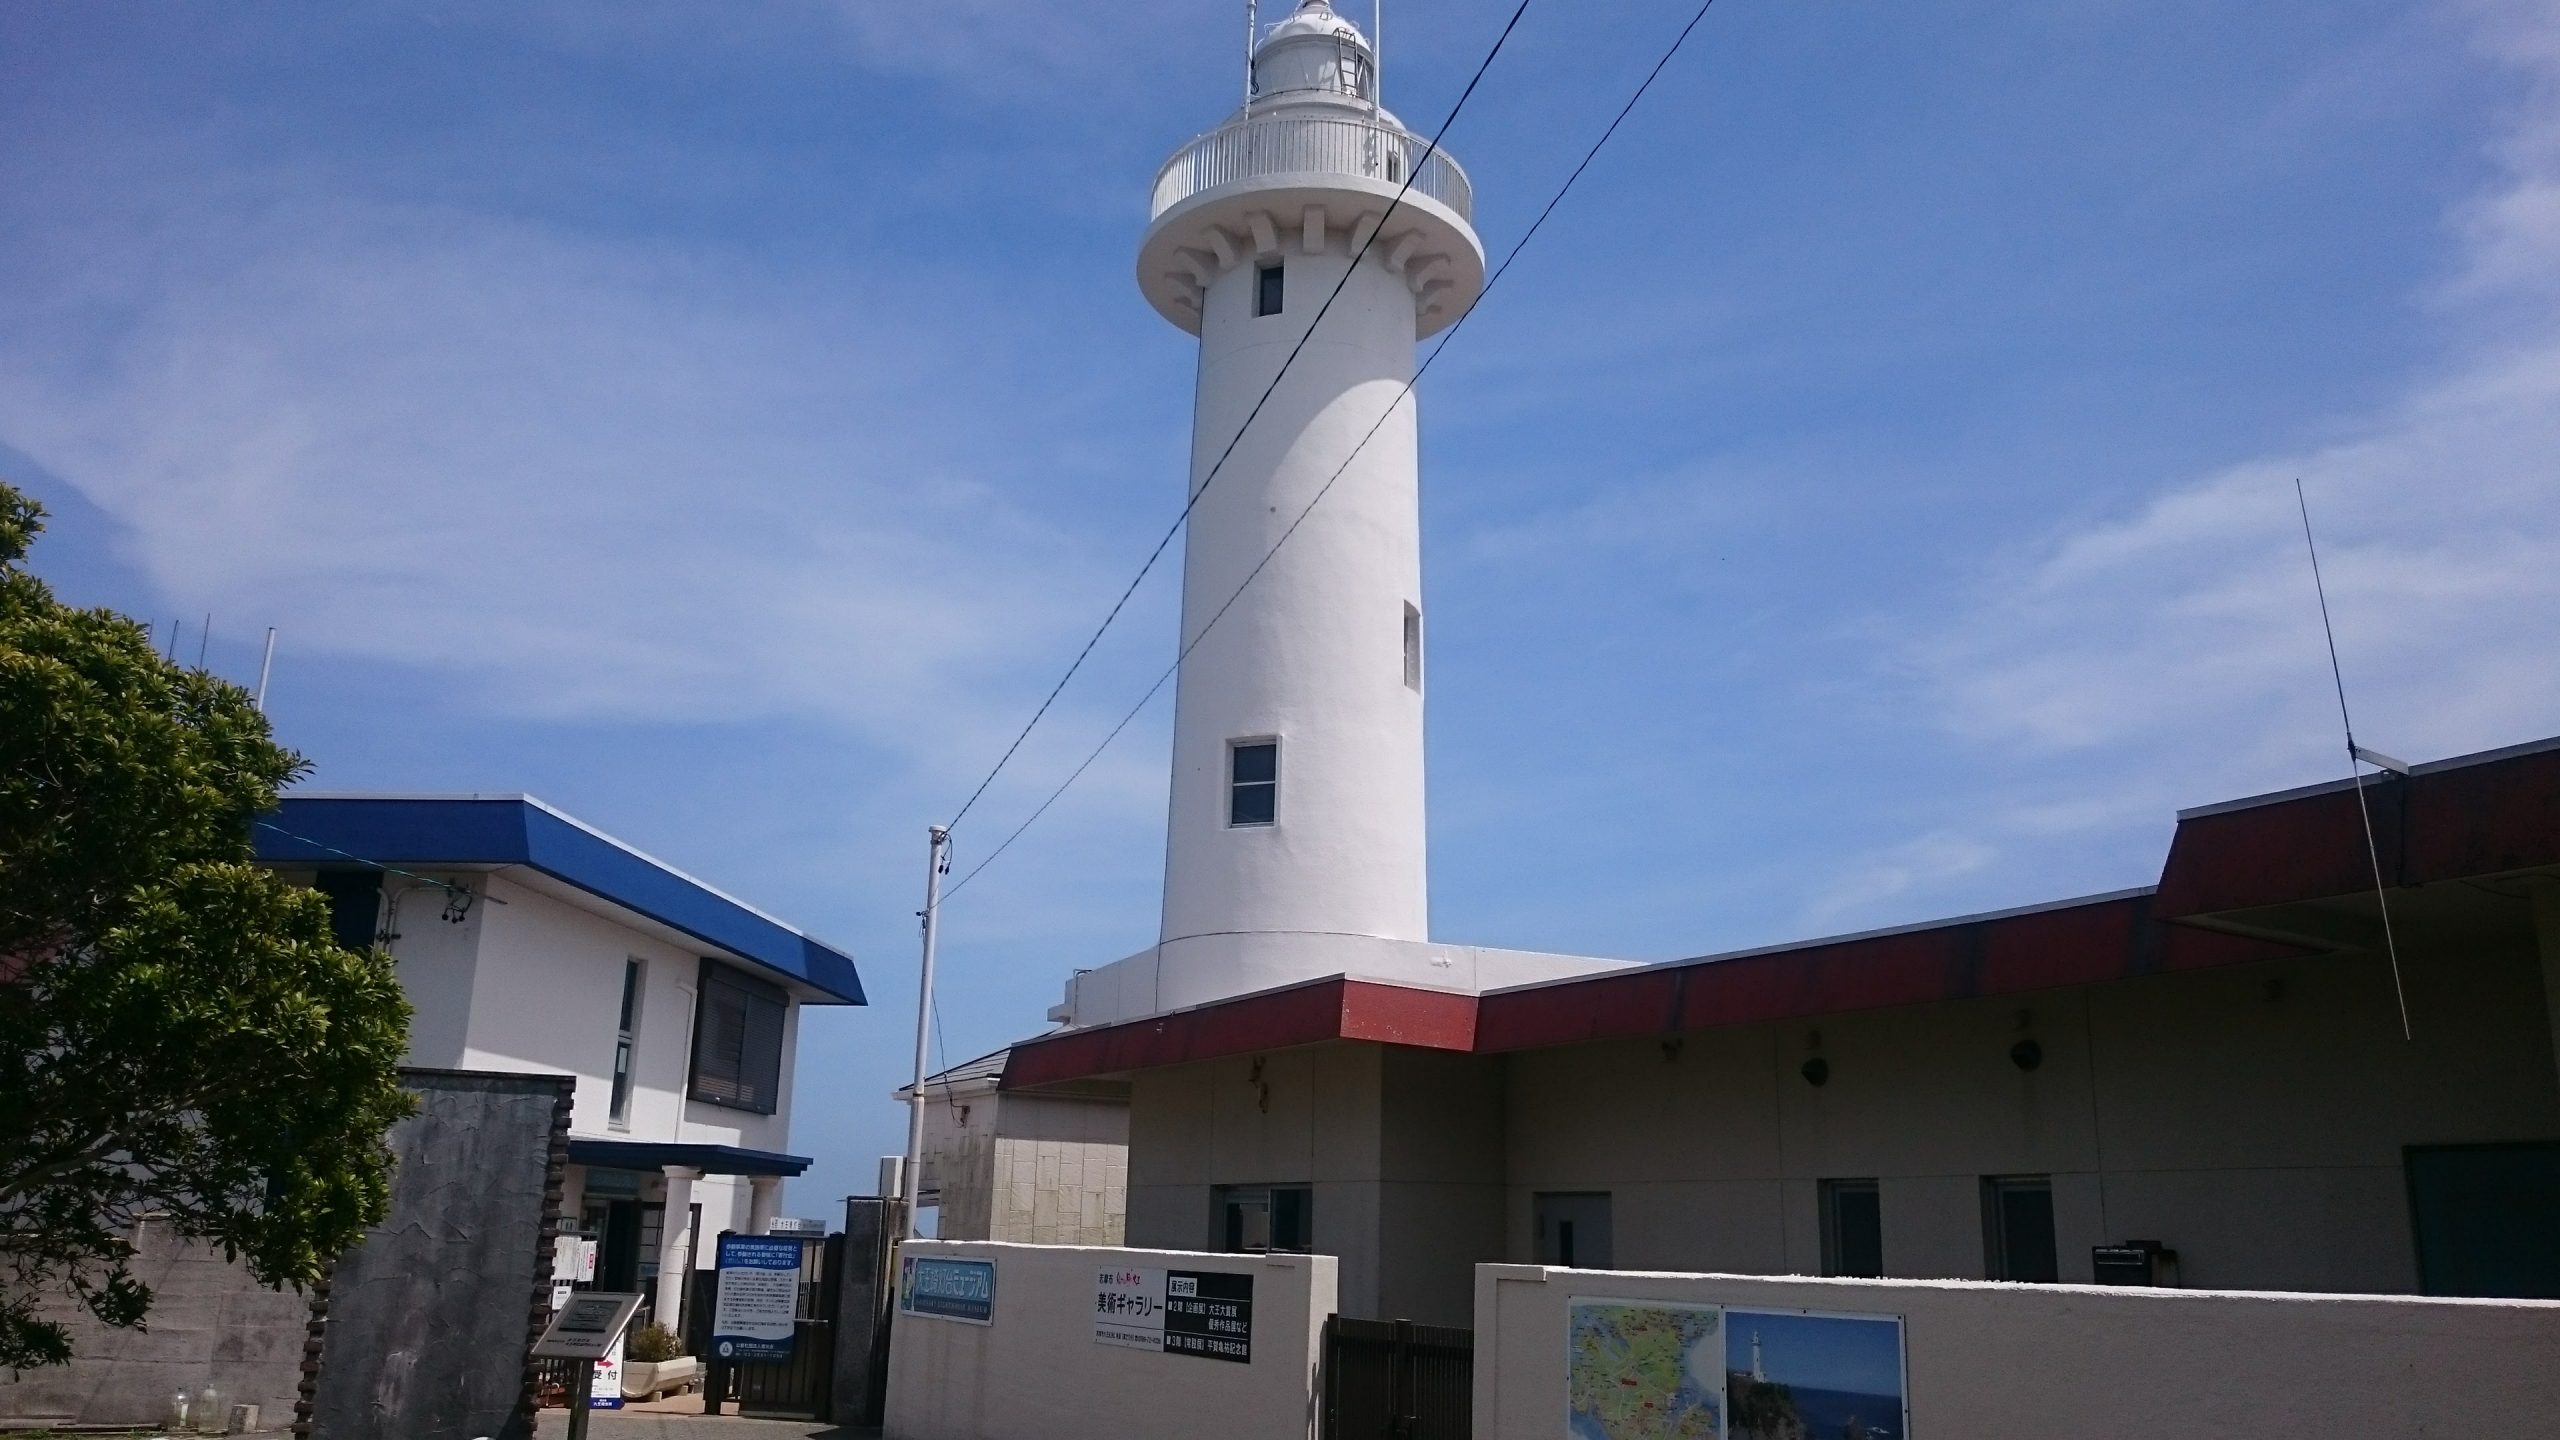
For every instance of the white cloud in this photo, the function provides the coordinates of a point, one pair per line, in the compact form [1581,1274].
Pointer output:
[2179,646]
[1884,882]
[582,479]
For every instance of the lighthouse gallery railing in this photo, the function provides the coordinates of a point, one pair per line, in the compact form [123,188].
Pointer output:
[1285,144]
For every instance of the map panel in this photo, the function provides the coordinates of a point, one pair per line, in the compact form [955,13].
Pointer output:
[1644,1370]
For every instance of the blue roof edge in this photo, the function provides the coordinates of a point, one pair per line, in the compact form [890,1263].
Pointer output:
[520,830]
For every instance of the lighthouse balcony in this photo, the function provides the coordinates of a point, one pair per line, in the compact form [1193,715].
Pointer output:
[1353,147]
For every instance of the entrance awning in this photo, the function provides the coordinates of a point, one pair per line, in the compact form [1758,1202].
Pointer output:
[649,1155]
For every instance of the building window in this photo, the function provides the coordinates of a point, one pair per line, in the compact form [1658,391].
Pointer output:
[2017,1225]
[1413,647]
[737,1041]
[1574,1230]
[1253,782]
[1852,1229]
[1266,289]
[1254,1219]
[620,1115]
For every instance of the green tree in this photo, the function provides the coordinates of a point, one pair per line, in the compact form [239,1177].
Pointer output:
[179,1033]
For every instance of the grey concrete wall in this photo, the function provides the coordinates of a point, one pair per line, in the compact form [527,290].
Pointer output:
[1037,1373]
[429,1321]
[2253,1119]
[2011,1360]
[211,1324]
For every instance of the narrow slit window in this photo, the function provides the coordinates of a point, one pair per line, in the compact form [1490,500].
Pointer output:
[1267,290]
[1413,648]
[618,1114]
[1253,782]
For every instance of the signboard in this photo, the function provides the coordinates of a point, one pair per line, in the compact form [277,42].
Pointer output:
[757,1309]
[606,1392]
[1203,1313]
[962,1290]
[1643,1368]
[588,1327]
[783,1225]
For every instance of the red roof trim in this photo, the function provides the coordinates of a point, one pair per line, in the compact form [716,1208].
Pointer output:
[2484,816]
[2443,823]
[1336,1009]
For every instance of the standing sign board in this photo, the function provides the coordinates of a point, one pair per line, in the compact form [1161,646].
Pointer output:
[758,1305]
[1203,1313]
[590,1328]
[963,1290]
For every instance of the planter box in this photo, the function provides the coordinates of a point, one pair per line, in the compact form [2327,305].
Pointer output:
[647,1380]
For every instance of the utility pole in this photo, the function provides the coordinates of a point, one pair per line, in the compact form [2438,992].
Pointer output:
[937,860]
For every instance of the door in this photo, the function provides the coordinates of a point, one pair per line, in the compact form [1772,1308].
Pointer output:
[2487,1219]
[1573,1230]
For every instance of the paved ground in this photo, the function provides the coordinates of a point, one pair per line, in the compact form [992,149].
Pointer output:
[681,1418]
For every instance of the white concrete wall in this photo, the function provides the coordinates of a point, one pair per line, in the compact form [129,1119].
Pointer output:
[1037,1373]
[1037,1169]
[549,984]
[1986,1360]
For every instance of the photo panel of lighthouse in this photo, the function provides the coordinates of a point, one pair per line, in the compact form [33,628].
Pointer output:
[1812,1375]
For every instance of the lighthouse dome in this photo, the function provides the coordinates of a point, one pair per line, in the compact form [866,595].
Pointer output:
[1314,53]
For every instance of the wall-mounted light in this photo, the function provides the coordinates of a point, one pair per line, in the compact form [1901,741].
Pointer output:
[1816,1072]
[2026,1054]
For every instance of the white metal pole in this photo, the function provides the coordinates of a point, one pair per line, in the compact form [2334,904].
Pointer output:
[1249,26]
[1377,57]
[266,667]
[937,860]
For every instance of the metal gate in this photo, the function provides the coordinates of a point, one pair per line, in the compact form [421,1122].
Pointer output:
[1395,1380]
[801,1387]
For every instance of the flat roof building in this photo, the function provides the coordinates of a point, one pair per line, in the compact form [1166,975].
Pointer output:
[2213,1065]
[528,941]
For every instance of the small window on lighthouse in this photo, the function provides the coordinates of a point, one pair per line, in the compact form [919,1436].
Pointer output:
[1253,782]
[1266,293]
[1412,648]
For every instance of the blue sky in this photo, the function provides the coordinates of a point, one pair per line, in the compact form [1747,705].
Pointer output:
[1869,500]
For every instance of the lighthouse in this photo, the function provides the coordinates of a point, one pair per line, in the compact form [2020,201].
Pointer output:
[1296,822]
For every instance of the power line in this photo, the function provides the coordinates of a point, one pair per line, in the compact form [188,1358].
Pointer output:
[1413,172]
[1327,488]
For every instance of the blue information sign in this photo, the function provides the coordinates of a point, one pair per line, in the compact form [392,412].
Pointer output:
[758,1306]
[948,1289]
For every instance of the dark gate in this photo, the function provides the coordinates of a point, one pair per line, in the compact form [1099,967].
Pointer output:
[1395,1380]
[801,1387]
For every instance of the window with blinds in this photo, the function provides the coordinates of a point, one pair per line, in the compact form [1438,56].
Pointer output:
[737,1040]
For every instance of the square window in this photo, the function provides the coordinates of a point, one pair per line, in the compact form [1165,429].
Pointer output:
[1852,1229]
[1266,291]
[1253,782]
[2017,1223]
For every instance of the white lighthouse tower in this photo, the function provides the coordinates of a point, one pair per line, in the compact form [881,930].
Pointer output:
[1297,801]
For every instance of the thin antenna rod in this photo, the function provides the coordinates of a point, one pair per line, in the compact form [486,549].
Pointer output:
[1250,25]
[1377,57]
[2355,759]
[266,667]
[204,638]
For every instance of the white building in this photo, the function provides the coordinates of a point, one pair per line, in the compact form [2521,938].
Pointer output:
[529,942]
[1038,1169]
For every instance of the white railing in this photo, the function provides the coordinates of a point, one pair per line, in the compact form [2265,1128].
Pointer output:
[1326,145]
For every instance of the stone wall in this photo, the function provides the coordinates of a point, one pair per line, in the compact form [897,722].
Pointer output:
[211,1325]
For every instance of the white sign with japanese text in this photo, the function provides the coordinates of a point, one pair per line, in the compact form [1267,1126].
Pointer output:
[1128,1308]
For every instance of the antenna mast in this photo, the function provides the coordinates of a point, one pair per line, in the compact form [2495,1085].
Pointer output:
[1377,57]
[1249,27]
[2357,756]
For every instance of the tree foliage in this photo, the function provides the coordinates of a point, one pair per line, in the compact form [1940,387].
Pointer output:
[180,1035]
